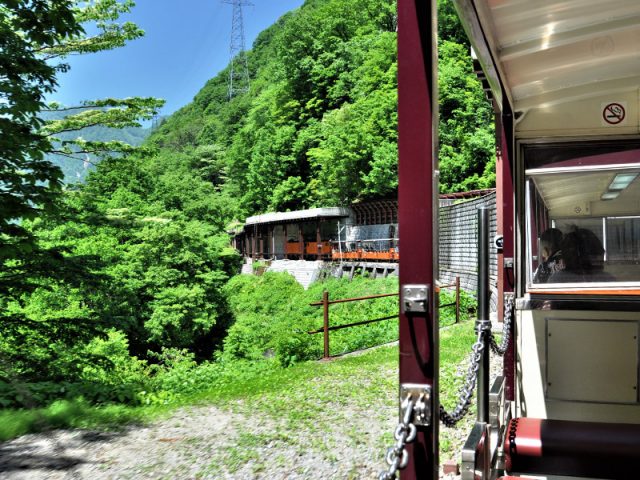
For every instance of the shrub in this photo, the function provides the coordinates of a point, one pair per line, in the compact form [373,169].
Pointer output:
[107,374]
[273,317]
[468,306]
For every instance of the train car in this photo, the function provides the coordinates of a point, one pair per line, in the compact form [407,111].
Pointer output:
[564,79]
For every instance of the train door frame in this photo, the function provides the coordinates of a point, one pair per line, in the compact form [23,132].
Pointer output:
[568,106]
[418,219]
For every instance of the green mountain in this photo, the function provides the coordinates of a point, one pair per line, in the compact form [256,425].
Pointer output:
[76,169]
[319,125]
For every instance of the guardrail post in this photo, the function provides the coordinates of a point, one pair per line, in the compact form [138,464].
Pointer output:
[457,299]
[325,307]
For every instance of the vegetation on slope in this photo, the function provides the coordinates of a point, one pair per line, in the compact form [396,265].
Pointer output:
[263,387]
[319,126]
[126,283]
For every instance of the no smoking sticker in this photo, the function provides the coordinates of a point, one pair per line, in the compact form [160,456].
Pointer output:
[614,113]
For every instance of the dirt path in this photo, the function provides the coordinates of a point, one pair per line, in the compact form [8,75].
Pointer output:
[209,442]
[195,443]
[200,443]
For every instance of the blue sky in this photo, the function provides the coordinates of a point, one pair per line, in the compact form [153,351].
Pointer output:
[186,44]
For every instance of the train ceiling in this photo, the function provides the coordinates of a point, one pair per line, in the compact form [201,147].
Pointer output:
[571,194]
[548,52]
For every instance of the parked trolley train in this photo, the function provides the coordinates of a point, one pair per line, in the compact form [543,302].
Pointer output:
[564,79]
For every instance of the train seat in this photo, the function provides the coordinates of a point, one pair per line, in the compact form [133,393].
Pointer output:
[578,449]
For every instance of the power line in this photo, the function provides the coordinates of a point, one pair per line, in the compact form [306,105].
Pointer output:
[238,65]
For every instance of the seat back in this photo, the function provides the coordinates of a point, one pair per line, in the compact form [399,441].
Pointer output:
[582,449]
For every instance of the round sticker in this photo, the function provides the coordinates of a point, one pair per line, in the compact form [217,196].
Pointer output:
[613,113]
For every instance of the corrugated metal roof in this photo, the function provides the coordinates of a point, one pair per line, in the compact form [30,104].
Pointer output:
[283,217]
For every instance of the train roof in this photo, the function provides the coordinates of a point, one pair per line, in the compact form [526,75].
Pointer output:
[311,214]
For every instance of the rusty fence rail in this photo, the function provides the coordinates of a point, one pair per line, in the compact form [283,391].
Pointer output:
[326,303]
[456,301]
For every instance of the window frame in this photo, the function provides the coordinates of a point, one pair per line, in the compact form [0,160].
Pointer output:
[600,287]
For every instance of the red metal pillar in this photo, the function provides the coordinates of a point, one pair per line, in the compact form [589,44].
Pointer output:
[325,312]
[505,225]
[457,299]
[417,119]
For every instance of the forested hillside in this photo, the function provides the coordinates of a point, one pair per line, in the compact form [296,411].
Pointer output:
[76,169]
[319,125]
[123,277]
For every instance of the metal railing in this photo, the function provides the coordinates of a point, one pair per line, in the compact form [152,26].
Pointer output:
[456,302]
[325,303]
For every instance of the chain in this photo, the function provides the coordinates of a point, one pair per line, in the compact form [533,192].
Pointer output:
[466,392]
[397,456]
[506,329]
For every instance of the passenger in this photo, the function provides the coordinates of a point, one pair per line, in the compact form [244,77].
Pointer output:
[550,253]
[583,259]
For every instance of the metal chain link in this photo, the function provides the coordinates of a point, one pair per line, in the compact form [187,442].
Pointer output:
[506,329]
[397,456]
[466,392]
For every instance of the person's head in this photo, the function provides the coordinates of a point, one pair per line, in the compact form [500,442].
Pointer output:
[582,251]
[550,241]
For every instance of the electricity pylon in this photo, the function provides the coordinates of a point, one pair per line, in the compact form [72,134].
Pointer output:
[238,67]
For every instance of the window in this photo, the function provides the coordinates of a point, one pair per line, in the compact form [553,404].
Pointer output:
[583,224]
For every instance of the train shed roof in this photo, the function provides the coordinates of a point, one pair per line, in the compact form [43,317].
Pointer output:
[287,217]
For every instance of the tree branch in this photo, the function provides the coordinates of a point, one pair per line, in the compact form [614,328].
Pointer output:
[66,109]
[69,155]
[74,129]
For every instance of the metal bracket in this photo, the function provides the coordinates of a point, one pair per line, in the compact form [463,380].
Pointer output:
[476,461]
[423,407]
[415,298]
[482,326]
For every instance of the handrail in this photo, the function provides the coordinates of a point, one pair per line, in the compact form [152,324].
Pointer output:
[364,322]
[344,300]
[325,303]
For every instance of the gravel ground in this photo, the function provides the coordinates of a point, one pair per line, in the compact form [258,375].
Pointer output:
[209,442]
[193,443]
[200,443]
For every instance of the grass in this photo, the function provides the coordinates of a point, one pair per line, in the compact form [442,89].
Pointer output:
[72,414]
[455,347]
[307,405]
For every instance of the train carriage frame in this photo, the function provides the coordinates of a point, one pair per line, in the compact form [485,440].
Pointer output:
[564,77]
